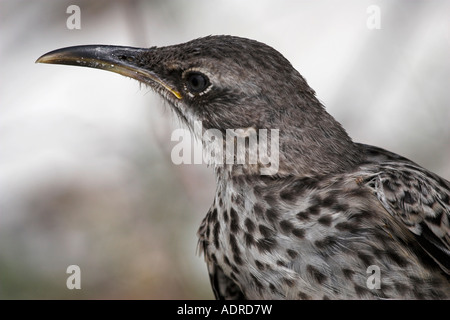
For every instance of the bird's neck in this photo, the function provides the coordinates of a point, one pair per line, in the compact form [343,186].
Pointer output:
[312,142]
[317,152]
[295,151]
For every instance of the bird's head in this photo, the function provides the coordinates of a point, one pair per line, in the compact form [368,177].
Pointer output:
[230,83]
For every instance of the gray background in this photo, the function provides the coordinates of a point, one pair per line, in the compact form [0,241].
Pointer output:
[85,171]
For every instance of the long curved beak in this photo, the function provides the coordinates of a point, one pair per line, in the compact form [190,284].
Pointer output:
[126,61]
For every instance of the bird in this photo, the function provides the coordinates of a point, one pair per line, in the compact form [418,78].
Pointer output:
[327,217]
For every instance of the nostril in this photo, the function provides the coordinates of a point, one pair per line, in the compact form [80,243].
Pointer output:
[123,57]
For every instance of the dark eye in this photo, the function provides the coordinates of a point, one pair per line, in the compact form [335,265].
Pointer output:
[197,82]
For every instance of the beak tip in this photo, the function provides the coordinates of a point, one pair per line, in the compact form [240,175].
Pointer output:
[43,59]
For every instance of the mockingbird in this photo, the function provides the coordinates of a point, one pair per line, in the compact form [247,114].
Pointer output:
[335,220]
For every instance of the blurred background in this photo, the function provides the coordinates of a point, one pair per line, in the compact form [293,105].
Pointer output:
[85,171]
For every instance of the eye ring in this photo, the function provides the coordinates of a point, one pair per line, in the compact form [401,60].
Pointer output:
[196,82]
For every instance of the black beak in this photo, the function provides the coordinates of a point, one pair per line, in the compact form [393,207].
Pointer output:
[122,60]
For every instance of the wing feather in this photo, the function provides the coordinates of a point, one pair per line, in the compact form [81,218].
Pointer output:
[415,197]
